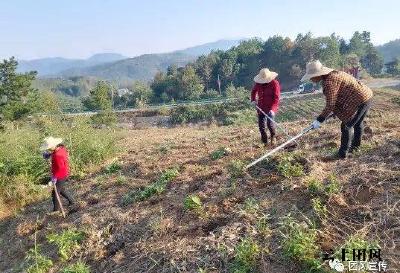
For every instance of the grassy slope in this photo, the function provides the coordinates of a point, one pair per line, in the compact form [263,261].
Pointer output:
[158,235]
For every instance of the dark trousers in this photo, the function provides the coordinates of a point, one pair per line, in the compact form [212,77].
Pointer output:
[270,125]
[348,140]
[61,192]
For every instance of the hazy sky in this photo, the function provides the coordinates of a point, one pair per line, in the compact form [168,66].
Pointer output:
[79,28]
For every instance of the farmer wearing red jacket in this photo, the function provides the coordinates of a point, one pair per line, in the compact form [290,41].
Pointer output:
[54,148]
[265,94]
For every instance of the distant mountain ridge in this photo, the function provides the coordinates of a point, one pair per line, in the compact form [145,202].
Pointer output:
[114,66]
[53,66]
[144,67]
[208,47]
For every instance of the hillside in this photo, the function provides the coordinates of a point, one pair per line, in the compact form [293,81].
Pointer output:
[104,64]
[390,50]
[143,67]
[277,217]
[53,66]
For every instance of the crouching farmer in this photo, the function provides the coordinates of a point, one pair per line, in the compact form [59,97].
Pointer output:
[346,98]
[265,96]
[54,149]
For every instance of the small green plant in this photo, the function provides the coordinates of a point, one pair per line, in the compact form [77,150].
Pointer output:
[319,208]
[262,226]
[114,167]
[300,243]
[315,186]
[356,242]
[38,262]
[236,168]
[219,153]
[333,186]
[121,180]
[246,256]
[192,202]
[289,168]
[67,242]
[164,149]
[251,205]
[128,198]
[155,188]
[79,267]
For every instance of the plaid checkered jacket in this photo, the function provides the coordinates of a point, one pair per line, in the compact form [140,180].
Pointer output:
[344,94]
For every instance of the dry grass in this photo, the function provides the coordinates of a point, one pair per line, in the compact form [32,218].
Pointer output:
[159,235]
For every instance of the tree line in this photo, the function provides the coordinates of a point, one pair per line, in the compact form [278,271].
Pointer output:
[219,74]
[220,70]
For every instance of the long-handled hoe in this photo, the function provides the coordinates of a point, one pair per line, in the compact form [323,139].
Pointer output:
[58,199]
[283,145]
[292,145]
[276,123]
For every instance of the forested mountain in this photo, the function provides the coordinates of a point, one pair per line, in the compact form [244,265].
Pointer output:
[390,50]
[106,65]
[143,67]
[237,66]
[53,66]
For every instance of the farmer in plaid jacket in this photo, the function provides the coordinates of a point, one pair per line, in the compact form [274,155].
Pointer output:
[346,98]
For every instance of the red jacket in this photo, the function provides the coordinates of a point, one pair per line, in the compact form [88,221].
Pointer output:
[59,163]
[268,95]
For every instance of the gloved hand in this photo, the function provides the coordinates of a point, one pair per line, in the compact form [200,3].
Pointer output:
[53,180]
[254,102]
[316,124]
[271,113]
[50,184]
[46,155]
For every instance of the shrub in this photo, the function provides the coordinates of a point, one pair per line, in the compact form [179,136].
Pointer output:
[192,202]
[107,118]
[67,242]
[218,111]
[78,267]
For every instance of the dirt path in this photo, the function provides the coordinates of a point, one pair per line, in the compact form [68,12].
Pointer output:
[380,83]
